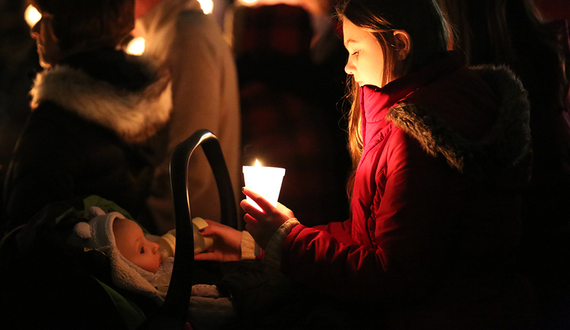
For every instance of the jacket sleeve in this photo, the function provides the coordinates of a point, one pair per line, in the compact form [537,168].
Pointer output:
[341,231]
[406,228]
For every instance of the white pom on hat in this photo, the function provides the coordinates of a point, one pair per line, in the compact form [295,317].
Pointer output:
[95,211]
[83,230]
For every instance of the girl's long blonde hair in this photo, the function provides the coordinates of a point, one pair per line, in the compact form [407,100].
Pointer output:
[428,31]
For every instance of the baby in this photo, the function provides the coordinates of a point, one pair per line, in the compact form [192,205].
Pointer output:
[137,265]
[135,262]
[148,254]
[130,240]
[135,246]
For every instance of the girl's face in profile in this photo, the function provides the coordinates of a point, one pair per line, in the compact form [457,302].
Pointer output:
[134,246]
[365,56]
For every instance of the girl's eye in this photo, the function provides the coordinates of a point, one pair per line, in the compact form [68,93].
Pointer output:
[142,250]
[355,53]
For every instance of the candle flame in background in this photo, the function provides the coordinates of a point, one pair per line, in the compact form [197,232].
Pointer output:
[136,46]
[257,163]
[32,16]
[301,3]
[207,6]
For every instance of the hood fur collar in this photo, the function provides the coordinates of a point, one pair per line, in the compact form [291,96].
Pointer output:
[505,145]
[133,115]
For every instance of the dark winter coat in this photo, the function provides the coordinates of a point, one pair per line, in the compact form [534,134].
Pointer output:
[93,119]
[435,206]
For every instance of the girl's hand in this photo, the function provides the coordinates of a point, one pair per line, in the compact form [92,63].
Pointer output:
[226,246]
[263,224]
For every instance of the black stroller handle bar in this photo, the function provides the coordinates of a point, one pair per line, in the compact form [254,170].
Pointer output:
[178,296]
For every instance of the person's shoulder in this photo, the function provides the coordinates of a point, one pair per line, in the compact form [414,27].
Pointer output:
[498,75]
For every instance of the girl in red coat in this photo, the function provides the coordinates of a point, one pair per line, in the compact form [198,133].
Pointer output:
[441,156]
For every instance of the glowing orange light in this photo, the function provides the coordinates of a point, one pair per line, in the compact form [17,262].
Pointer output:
[207,6]
[32,16]
[136,46]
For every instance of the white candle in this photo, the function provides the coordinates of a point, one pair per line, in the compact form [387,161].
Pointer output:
[264,180]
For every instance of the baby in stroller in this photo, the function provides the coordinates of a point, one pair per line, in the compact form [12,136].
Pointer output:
[137,266]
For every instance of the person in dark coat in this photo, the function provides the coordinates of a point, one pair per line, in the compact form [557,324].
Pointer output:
[96,112]
[512,33]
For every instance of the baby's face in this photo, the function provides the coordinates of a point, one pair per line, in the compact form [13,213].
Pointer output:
[134,246]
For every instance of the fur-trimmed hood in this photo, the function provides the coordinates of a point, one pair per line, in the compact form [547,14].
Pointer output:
[504,145]
[126,94]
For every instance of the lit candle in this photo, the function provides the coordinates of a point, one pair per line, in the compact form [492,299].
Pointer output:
[264,180]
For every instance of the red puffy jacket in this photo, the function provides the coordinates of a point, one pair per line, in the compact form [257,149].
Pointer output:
[436,202]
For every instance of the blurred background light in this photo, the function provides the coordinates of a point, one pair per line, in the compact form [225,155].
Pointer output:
[136,46]
[32,15]
[207,6]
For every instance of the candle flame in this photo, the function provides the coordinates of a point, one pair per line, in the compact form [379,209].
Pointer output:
[136,46]
[257,163]
[32,16]
[207,6]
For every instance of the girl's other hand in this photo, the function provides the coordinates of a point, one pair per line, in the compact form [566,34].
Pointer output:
[263,224]
[226,246]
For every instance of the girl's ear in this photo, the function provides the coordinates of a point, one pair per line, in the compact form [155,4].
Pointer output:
[403,44]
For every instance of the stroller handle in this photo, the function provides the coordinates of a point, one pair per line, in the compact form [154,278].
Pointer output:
[178,296]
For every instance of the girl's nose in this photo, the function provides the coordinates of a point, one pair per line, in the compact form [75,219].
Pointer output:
[349,68]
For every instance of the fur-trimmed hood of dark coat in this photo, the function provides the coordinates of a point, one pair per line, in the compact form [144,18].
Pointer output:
[97,127]
[506,144]
[125,93]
